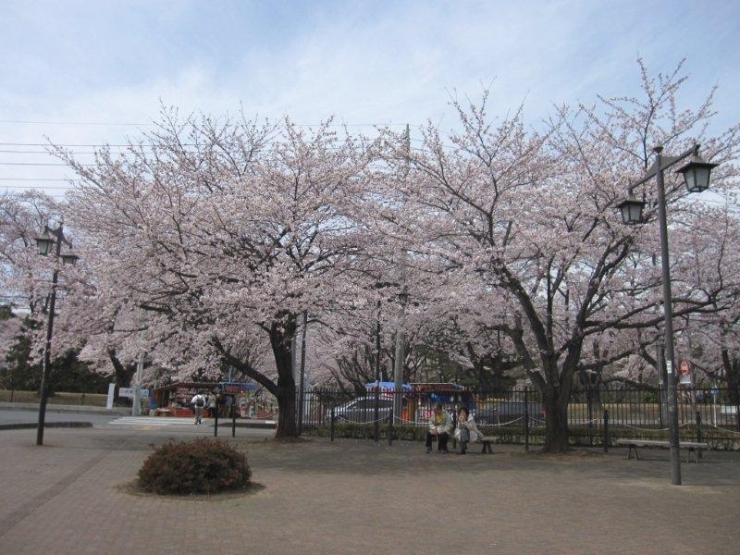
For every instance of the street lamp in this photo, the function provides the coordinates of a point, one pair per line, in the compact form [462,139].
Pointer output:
[696,173]
[47,245]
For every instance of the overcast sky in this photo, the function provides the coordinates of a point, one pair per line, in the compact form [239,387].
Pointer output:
[88,72]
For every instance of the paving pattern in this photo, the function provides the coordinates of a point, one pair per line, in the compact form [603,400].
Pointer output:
[73,496]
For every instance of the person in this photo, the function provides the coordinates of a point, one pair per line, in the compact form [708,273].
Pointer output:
[440,426]
[212,405]
[228,401]
[198,401]
[466,430]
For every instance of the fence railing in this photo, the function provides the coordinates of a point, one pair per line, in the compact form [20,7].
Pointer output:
[629,409]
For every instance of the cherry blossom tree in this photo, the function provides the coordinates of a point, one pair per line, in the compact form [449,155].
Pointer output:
[532,215]
[224,233]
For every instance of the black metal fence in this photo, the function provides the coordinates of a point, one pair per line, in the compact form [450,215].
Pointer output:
[518,415]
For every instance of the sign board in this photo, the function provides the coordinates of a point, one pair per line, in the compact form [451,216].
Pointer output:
[684,369]
[231,388]
[129,392]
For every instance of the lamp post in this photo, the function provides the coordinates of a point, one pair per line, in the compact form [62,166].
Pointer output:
[376,417]
[403,297]
[696,174]
[45,245]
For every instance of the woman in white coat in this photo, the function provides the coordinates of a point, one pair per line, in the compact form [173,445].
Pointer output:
[466,430]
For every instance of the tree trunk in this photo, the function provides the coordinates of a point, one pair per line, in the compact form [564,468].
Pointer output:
[281,335]
[556,396]
[556,424]
[731,366]
[123,374]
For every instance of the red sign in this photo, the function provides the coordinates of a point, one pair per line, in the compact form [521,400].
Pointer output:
[685,367]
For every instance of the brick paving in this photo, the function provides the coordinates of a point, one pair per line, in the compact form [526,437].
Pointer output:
[72,496]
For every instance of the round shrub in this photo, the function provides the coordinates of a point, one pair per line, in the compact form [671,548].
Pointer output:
[202,465]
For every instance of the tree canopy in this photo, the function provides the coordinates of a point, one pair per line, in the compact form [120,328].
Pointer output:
[205,243]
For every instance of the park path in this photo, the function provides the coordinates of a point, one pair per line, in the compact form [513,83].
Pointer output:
[73,495]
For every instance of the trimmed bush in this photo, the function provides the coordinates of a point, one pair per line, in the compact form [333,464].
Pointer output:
[203,466]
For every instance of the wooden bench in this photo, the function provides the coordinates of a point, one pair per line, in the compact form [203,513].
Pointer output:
[691,446]
[485,441]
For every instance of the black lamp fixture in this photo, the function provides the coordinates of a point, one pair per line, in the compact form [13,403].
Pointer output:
[696,173]
[631,209]
[46,244]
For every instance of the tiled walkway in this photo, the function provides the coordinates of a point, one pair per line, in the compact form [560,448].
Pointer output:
[72,496]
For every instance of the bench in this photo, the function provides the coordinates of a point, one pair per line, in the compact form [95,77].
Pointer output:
[485,441]
[633,444]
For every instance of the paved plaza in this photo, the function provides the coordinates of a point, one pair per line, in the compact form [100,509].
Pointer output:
[73,496]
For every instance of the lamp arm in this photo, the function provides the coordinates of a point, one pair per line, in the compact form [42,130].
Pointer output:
[58,233]
[666,162]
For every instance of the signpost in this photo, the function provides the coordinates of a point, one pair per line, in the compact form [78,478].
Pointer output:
[715,392]
[231,390]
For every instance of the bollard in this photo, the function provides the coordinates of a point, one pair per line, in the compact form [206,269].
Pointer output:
[526,420]
[699,432]
[606,431]
[390,428]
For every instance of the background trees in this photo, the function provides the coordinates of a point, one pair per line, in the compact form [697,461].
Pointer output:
[205,243]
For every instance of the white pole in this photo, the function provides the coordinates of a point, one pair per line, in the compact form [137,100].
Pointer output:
[136,407]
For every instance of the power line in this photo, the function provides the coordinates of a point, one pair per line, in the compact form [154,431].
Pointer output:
[109,124]
[47,145]
[130,124]
[37,179]
[33,164]
[34,187]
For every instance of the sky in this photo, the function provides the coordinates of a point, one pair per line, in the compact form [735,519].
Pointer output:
[92,72]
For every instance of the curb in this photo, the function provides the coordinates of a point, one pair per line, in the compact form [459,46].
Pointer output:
[65,408]
[22,426]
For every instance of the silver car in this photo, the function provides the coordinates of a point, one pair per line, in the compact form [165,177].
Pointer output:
[362,409]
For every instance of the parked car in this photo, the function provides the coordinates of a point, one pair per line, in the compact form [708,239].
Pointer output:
[510,412]
[362,409]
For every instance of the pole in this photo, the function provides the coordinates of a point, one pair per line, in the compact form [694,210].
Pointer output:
[400,353]
[215,416]
[233,416]
[136,406]
[400,336]
[660,348]
[668,315]
[376,416]
[47,347]
[303,372]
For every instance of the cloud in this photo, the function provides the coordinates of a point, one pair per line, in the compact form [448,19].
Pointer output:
[371,62]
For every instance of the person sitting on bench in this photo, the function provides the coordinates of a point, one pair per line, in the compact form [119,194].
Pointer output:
[466,430]
[440,426]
